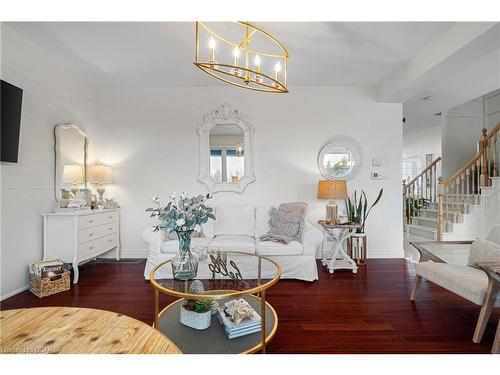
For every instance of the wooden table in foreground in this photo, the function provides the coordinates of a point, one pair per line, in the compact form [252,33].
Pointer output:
[74,330]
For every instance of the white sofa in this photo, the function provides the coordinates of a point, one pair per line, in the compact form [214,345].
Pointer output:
[238,228]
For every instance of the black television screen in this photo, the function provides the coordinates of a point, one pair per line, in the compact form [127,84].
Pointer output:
[11,98]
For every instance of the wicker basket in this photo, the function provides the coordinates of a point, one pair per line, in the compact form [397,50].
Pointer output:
[46,286]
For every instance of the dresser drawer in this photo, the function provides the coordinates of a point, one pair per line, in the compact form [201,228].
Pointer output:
[92,233]
[110,241]
[98,246]
[89,221]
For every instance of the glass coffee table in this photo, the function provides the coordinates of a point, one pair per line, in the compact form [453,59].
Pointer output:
[225,275]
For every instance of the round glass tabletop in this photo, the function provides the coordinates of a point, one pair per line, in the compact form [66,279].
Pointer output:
[222,273]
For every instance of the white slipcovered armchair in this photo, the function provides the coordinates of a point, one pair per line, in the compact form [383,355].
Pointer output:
[468,281]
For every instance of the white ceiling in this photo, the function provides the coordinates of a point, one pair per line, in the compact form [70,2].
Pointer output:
[321,53]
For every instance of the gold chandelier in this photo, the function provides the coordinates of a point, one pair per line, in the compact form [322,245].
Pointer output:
[245,56]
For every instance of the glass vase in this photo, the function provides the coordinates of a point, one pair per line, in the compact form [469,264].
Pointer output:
[185,263]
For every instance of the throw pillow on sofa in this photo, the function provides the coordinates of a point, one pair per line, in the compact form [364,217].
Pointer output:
[300,207]
[284,226]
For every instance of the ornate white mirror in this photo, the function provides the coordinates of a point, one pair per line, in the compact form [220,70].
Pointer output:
[70,169]
[340,158]
[226,150]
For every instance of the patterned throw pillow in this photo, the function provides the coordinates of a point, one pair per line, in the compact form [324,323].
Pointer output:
[284,226]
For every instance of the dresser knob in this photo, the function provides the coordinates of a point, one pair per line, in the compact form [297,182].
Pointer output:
[110,217]
[91,221]
[110,240]
[91,247]
[110,228]
[91,234]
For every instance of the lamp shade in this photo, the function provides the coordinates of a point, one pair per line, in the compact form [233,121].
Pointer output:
[100,174]
[73,174]
[332,189]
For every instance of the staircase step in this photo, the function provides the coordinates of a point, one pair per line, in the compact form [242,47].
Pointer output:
[424,221]
[422,231]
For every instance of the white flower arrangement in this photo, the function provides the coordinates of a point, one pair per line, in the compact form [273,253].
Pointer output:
[183,213]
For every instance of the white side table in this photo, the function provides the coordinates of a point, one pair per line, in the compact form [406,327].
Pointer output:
[340,259]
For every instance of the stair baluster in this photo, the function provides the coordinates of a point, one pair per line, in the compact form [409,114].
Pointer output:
[481,167]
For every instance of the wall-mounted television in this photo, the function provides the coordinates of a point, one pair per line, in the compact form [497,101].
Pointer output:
[11,98]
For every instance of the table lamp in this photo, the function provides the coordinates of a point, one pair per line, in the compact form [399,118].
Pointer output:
[100,175]
[331,190]
[73,173]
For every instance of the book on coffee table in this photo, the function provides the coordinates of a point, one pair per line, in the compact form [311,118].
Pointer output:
[245,327]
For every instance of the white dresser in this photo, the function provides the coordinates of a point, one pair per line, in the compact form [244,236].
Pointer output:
[75,237]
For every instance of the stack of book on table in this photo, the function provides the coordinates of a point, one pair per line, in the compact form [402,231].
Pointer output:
[47,268]
[238,318]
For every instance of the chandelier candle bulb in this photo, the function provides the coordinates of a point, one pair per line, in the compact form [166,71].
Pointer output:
[236,54]
[277,69]
[211,44]
[258,77]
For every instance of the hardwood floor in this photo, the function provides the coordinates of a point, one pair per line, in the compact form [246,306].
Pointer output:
[367,312]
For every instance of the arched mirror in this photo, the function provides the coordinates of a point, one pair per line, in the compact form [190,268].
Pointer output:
[340,158]
[70,174]
[226,150]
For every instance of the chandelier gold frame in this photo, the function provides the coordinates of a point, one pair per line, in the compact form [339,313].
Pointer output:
[244,75]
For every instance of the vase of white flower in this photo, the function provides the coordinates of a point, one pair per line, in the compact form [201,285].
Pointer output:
[185,263]
[183,215]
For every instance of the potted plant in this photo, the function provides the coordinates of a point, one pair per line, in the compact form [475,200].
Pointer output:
[197,314]
[414,206]
[358,211]
[183,215]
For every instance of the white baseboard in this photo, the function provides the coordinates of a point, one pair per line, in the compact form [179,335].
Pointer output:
[377,253]
[385,253]
[14,292]
[127,253]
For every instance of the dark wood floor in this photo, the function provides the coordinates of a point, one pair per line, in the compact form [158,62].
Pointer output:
[368,312]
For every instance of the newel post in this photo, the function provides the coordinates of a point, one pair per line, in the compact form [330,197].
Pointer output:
[441,221]
[483,149]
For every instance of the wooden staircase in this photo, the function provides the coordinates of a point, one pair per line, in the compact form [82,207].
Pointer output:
[453,208]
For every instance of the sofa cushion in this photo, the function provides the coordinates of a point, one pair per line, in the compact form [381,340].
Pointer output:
[172,246]
[261,221]
[272,248]
[245,244]
[483,251]
[468,282]
[208,229]
[235,220]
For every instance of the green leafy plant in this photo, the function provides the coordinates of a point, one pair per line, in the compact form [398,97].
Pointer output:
[414,206]
[357,210]
[198,306]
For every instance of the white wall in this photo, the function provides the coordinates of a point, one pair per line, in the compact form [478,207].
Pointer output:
[492,109]
[149,136]
[427,141]
[52,95]
[461,131]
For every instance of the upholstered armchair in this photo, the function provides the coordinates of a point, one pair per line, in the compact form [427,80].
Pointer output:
[468,281]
